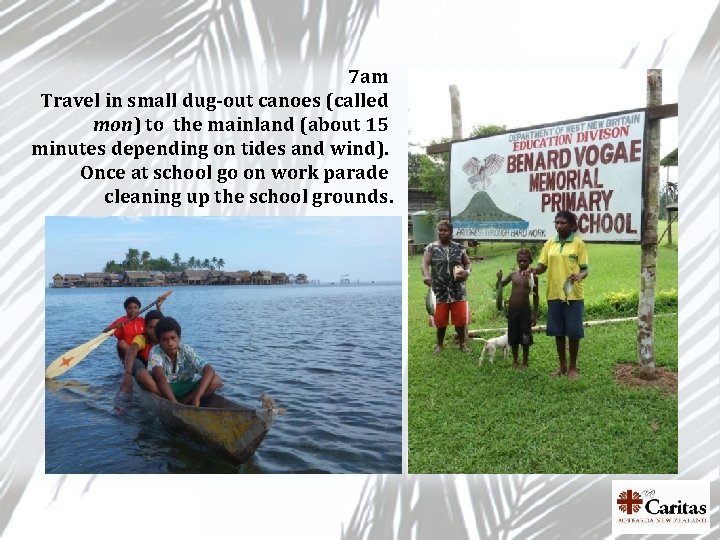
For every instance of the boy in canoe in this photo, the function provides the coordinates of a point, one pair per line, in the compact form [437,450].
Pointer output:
[136,357]
[175,367]
[130,325]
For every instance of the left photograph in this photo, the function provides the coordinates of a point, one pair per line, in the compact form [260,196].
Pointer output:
[223,345]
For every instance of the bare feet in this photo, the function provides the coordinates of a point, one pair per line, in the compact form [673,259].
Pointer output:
[557,373]
[524,366]
[573,375]
[464,348]
[515,365]
[438,349]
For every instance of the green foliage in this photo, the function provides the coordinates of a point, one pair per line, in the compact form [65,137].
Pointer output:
[132,260]
[621,301]
[535,249]
[414,170]
[483,130]
[493,419]
[433,173]
[135,260]
[666,301]
[625,304]
[161,264]
[111,267]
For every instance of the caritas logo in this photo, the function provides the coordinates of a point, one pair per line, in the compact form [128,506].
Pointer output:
[629,501]
[660,506]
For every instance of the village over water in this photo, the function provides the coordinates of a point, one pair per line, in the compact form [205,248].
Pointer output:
[142,278]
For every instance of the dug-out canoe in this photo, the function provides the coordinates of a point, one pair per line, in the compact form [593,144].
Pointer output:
[219,423]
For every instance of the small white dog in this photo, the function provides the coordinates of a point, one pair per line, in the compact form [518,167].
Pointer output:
[492,345]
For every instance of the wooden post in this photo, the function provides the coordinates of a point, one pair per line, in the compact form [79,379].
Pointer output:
[455,113]
[648,255]
[456,118]
[668,212]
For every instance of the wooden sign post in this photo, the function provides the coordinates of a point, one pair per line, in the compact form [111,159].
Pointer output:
[648,243]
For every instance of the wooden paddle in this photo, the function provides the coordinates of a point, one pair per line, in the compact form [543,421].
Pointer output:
[71,358]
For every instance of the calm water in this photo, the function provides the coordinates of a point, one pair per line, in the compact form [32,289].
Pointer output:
[331,355]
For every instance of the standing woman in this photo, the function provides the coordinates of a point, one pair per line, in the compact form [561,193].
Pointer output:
[439,271]
[565,259]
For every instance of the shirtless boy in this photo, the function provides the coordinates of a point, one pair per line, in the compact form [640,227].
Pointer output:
[520,318]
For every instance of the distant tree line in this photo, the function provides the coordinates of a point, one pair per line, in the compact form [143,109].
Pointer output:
[137,260]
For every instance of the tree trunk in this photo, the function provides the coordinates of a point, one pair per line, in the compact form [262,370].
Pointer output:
[648,256]
[455,113]
[456,119]
[669,212]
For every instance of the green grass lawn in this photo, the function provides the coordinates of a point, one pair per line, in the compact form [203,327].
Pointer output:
[492,419]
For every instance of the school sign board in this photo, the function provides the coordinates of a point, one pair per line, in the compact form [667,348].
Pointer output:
[510,186]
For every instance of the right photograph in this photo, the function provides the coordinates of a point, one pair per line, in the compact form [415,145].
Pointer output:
[542,272]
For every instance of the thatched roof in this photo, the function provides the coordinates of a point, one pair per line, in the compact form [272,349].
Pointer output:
[137,274]
[202,274]
[671,160]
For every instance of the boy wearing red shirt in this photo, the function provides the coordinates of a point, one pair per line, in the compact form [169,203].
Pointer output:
[130,325]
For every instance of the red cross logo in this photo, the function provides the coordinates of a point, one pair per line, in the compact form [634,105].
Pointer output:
[629,501]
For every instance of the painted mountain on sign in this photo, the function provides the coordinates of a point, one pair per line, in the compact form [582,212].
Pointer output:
[483,209]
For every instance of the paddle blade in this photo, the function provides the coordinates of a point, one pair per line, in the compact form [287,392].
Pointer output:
[71,358]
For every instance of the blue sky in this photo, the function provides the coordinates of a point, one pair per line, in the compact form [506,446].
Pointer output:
[366,248]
